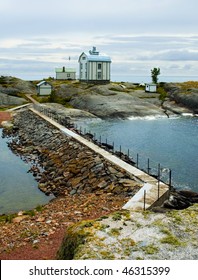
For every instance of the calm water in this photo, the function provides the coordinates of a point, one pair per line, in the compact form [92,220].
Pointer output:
[171,142]
[18,189]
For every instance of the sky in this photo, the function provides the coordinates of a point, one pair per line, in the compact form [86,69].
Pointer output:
[37,36]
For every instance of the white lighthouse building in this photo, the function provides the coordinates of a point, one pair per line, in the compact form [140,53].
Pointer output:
[94,67]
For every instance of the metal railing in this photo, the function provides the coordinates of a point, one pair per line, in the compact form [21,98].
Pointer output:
[162,174]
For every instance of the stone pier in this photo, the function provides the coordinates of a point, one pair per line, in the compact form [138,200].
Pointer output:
[152,193]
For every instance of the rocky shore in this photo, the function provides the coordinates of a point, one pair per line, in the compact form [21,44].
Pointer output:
[61,164]
[134,236]
[85,185]
[123,100]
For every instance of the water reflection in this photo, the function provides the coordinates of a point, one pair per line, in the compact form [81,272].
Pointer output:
[18,189]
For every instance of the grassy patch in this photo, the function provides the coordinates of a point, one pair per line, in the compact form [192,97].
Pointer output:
[117,216]
[39,208]
[30,213]
[150,249]
[172,240]
[72,243]
[7,218]
[189,84]
[107,255]
[115,231]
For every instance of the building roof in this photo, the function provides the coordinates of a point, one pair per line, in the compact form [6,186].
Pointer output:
[94,55]
[99,57]
[63,70]
[151,84]
[43,82]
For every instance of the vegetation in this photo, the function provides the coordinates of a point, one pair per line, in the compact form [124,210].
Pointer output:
[162,95]
[155,72]
[74,238]
[150,249]
[117,216]
[189,84]
[7,218]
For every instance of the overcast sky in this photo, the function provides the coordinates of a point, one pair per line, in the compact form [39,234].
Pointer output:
[37,36]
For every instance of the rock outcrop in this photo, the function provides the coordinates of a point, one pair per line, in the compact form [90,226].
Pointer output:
[183,96]
[113,100]
[11,90]
[134,236]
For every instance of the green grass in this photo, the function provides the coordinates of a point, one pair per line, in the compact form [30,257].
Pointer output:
[7,218]
[150,249]
[172,240]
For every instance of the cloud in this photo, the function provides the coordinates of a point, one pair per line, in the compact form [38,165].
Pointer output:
[138,34]
[177,55]
[41,17]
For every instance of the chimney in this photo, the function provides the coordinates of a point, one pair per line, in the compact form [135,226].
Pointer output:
[94,51]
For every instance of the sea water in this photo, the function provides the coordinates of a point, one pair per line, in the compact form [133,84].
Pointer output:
[170,142]
[18,188]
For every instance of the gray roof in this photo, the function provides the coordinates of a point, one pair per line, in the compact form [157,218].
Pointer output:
[43,82]
[94,55]
[98,57]
[68,70]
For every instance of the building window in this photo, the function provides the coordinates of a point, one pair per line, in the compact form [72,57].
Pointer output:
[68,75]
[83,58]
[99,76]
[81,66]
[99,66]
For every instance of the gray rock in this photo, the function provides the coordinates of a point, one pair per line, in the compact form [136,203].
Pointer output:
[74,191]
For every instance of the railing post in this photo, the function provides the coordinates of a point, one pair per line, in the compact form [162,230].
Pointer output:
[158,177]
[148,168]
[170,178]
[144,200]
[137,161]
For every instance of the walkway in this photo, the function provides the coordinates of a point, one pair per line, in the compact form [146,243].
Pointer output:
[31,99]
[152,192]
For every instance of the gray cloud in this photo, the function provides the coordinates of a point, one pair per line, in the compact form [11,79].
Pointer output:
[23,17]
[172,55]
[41,34]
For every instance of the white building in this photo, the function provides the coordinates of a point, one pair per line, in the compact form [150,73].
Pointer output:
[94,67]
[65,73]
[151,88]
[44,88]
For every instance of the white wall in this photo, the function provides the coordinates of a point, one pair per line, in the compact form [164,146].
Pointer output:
[64,76]
[44,90]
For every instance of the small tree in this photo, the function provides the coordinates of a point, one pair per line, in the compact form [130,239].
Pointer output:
[155,72]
